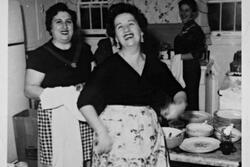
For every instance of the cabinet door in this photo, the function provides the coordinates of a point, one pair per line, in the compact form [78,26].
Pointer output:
[34,21]
[30,22]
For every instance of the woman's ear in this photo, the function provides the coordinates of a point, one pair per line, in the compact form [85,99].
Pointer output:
[117,43]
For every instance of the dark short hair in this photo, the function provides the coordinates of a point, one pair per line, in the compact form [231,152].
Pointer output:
[191,3]
[53,10]
[120,8]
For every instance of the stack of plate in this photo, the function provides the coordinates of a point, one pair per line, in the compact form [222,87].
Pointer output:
[227,117]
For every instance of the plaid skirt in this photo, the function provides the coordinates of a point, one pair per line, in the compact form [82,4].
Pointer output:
[137,137]
[44,118]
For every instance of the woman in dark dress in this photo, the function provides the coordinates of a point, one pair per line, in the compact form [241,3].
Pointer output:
[63,62]
[190,43]
[124,95]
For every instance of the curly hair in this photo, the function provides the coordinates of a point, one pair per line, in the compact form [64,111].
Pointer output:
[121,8]
[191,3]
[53,10]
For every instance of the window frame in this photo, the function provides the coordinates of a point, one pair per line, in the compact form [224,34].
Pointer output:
[91,31]
[223,32]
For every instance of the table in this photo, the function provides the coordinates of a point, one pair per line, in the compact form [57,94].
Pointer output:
[215,158]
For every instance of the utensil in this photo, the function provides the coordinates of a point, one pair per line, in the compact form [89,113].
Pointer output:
[183,131]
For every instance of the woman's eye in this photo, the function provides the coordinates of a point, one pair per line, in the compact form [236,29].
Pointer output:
[58,21]
[69,22]
[119,27]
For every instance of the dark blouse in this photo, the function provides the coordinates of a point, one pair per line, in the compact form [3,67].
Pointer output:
[116,82]
[58,73]
[190,40]
[103,50]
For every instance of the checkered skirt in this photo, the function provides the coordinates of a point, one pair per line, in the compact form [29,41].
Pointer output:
[45,137]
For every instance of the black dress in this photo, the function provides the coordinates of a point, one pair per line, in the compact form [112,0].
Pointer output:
[116,82]
[191,40]
[103,50]
[58,73]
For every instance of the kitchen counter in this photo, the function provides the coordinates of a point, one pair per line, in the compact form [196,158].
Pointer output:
[215,158]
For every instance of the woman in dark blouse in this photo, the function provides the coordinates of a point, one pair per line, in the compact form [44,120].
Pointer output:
[62,61]
[124,93]
[190,43]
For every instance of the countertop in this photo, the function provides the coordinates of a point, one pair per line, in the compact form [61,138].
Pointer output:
[215,158]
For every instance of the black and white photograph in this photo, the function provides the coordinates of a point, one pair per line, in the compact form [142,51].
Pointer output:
[124,83]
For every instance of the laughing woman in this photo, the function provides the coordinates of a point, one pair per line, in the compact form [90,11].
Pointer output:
[124,95]
[61,62]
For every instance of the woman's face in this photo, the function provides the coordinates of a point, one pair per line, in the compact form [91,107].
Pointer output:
[62,27]
[186,13]
[127,30]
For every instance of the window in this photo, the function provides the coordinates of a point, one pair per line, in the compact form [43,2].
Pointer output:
[224,15]
[92,15]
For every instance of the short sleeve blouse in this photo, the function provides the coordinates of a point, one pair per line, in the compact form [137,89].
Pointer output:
[116,82]
[58,73]
[190,40]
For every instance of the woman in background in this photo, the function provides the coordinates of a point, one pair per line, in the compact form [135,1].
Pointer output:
[124,95]
[190,43]
[62,61]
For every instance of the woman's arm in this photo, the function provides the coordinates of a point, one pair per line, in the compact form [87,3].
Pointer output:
[104,141]
[33,80]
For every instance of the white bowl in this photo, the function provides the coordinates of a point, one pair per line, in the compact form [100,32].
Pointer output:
[199,130]
[235,134]
[174,137]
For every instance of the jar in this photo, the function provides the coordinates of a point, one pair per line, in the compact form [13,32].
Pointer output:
[226,145]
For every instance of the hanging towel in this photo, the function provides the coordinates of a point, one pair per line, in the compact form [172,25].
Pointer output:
[177,69]
[66,139]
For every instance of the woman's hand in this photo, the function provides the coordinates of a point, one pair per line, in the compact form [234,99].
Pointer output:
[104,142]
[173,111]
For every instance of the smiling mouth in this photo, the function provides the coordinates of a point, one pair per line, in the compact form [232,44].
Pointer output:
[64,32]
[128,36]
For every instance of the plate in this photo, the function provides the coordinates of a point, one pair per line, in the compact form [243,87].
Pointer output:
[196,116]
[229,114]
[235,134]
[200,144]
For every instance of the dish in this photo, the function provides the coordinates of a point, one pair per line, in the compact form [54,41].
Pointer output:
[229,114]
[235,134]
[199,129]
[173,136]
[196,116]
[200,144]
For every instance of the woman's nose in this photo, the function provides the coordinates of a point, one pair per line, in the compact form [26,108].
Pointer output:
[64,25]
[126,28]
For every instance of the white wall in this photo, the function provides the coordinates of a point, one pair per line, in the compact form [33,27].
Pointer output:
[222,51]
